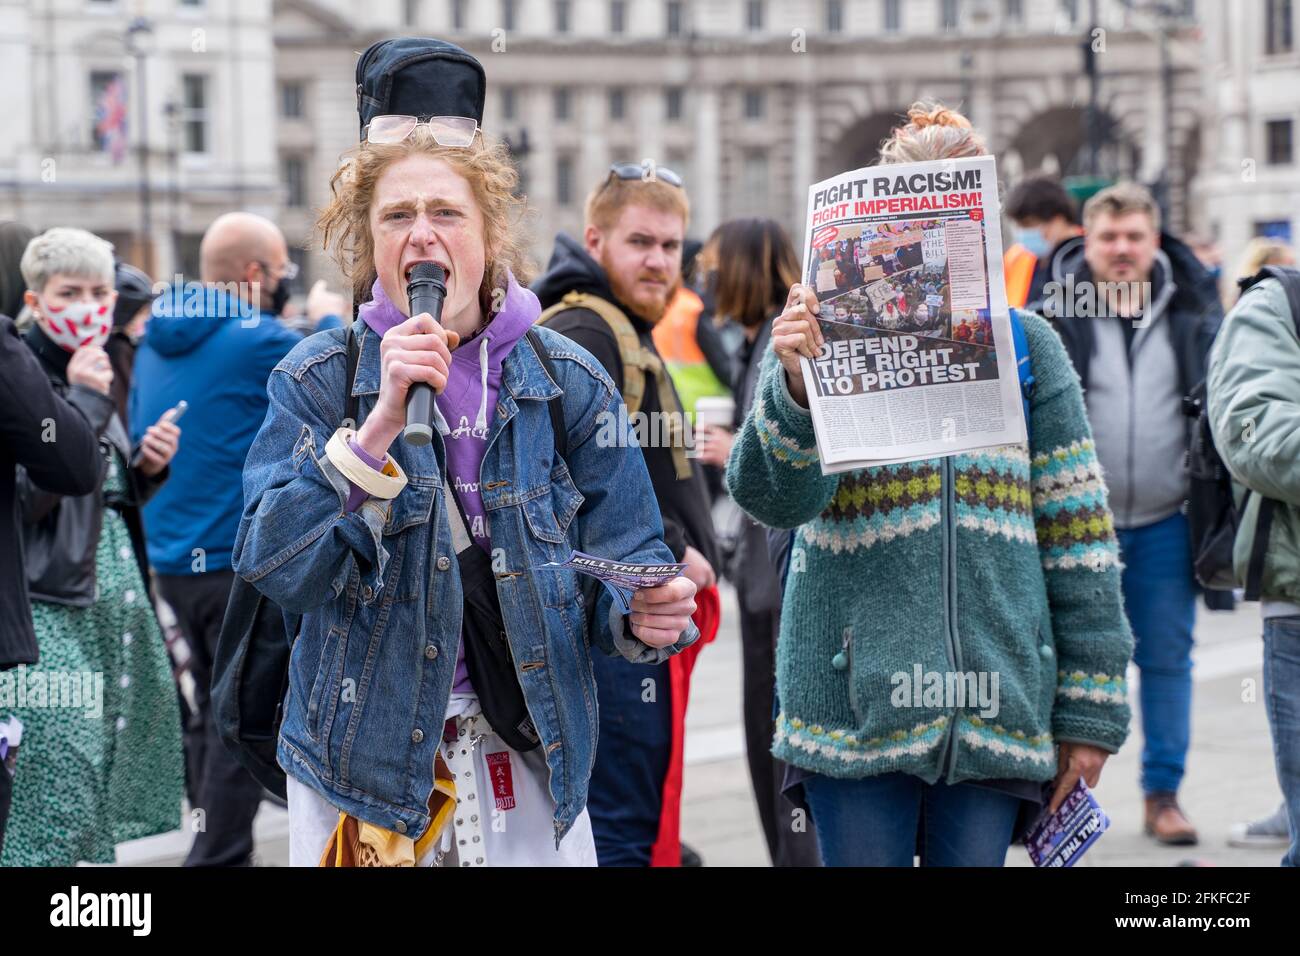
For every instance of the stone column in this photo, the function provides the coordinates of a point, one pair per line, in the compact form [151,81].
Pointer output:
[804,164]
[706,207]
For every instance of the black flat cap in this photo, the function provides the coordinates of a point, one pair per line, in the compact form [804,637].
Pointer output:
[419,76]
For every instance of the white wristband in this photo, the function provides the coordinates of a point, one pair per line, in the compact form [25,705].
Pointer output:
[385,484]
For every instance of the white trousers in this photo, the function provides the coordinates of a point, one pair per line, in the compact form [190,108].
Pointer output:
[504,811]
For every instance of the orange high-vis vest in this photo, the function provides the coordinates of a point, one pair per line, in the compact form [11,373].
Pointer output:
[674,333]
[1018,265]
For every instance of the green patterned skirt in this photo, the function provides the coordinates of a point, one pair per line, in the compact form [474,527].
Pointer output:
[104,765]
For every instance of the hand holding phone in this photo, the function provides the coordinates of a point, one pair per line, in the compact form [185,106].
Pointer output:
[169,417]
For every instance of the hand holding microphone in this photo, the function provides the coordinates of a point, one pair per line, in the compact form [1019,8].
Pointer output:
[414,356]
[426,290]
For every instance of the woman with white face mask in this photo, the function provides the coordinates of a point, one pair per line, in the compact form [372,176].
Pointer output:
[100,758]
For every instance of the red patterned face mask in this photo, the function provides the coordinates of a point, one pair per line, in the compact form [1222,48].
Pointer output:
[78,324]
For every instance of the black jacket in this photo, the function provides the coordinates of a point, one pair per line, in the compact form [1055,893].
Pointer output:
[1194,314]
[55,445]
[61,532]
[1194,311]
[684,503]
[1043,270]
[708,335]
[757,585]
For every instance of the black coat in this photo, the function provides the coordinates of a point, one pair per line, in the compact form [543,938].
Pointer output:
[61,532]
[1194,312]
[53,442]
[683,503]
[758,587]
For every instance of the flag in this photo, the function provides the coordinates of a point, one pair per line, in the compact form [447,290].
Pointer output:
[110,119]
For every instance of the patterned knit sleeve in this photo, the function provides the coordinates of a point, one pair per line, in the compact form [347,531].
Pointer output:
[1079,553]
[774,472]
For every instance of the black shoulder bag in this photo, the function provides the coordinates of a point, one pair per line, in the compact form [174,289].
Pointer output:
[250,668]
[488,659]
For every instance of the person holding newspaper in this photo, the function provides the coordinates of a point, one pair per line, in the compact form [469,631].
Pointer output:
[997,567]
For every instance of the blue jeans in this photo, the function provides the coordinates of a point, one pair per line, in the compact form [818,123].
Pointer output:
[1282,692]
[1160,598]
[625,797]
[873,822]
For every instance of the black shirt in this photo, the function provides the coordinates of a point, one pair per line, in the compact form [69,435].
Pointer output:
[683,503]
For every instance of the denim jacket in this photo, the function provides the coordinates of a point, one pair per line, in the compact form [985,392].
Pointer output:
[379,591]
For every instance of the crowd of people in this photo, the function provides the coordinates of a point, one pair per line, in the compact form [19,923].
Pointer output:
[850,264]
[913,301]
[544,724]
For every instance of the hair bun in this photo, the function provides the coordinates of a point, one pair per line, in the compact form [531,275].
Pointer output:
[922,115]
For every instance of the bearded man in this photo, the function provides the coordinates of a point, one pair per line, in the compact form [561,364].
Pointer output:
[606,293]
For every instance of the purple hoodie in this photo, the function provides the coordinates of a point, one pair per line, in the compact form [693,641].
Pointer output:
[467,405]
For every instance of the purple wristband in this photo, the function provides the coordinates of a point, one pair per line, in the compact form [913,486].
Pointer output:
[358,495]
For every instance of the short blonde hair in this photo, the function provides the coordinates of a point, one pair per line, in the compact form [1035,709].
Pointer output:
[344,223]
[1263,251]
[1120,200]
[608,200]
[932,131]
[65,250]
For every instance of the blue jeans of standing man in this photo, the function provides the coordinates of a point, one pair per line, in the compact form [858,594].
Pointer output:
[625,798]
[873,821]
[1160,598]
[1282,693]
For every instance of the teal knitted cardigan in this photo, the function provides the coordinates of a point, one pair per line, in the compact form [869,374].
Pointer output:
[1001,564]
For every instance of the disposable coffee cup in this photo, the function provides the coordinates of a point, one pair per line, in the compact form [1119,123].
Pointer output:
[714,410]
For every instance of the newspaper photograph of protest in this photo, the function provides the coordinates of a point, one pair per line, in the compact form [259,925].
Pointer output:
[893,277]
[918,357]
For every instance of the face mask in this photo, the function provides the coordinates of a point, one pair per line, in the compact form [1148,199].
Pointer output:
[82,323]
[280,297]
[1034,241]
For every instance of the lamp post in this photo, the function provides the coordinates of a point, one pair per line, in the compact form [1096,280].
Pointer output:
[519,149]
[172,111]
[1091,68]
[136,33]
[979,27]
[967,65]
[1166,16]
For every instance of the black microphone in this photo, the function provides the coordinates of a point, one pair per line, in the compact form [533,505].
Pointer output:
[427,288]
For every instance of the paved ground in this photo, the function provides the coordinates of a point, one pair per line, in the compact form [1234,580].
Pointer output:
[1230,769]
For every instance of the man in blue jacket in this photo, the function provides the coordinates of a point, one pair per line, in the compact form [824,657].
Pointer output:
[213,344]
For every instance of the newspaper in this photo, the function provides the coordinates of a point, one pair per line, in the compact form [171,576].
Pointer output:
[918,361]
[1059,839]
